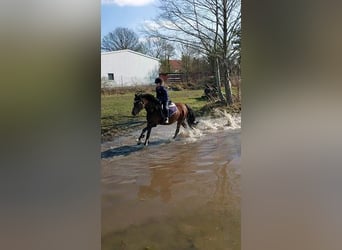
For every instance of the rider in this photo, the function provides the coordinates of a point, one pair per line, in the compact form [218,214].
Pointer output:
[163,98]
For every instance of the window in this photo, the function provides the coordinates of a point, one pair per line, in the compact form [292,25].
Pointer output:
[111,76]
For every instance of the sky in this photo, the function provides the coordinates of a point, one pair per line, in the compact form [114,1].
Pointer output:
[126,13]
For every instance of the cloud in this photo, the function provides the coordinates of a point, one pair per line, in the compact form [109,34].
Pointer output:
[153,25]
[128,2]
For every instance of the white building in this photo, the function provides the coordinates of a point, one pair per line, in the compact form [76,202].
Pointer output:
[128,68]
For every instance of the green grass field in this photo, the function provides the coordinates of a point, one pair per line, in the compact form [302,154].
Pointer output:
[119,107]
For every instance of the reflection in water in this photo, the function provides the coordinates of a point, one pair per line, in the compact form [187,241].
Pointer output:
[160,185]
[182,194]
[166,171]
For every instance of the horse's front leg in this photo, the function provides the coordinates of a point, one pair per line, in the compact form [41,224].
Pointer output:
[142,135]
[147,140]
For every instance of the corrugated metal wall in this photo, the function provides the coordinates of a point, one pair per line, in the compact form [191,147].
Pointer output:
[129,68]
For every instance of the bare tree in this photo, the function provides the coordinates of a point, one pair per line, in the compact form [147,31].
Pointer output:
[121,38]
[155,46]
[194,64]
[168,50]
[206,25]
[187,56]
[235,62]
[161,49]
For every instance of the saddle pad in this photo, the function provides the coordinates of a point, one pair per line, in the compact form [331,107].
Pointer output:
[172,108]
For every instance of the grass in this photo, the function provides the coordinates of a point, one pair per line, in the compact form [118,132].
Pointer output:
[191,97]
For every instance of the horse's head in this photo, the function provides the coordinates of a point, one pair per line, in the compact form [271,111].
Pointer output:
[138,104]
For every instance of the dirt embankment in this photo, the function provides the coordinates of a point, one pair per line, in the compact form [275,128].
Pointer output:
[108,133]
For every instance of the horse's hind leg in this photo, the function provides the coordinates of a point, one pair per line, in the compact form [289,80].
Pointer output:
[142,135]
[177,130]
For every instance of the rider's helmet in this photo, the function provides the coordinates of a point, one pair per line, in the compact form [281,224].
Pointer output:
[158,80]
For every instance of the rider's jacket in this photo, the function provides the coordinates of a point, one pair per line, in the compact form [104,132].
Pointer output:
[162,94]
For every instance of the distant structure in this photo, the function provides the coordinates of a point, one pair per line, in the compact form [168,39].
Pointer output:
[127,68]
[175,66]
[174,74]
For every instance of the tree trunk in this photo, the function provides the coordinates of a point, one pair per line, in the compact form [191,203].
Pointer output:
[218,80]
[227,85]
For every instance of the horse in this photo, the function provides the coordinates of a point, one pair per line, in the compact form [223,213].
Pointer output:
[179,113]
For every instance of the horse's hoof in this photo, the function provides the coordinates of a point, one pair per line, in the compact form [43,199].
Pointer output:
[139,142]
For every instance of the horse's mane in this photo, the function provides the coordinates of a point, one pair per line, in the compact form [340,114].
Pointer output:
[151,98]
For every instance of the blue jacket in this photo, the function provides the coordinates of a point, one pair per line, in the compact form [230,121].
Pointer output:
[162,94]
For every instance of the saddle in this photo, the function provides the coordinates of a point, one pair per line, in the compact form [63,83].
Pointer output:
[172,108]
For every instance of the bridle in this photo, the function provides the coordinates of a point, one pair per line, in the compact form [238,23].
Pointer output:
[139,101]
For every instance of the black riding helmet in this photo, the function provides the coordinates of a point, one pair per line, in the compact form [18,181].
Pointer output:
[158,80]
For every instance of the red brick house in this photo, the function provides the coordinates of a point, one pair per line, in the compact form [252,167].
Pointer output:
[175,66]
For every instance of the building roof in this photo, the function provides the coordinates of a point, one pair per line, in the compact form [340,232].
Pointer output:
[176,65]
[128,51]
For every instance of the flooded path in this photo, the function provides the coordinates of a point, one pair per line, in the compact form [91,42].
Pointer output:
[174,194]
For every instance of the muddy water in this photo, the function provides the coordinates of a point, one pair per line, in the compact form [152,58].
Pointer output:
[174,194]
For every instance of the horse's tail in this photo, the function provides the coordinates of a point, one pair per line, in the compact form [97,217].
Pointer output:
[191,119]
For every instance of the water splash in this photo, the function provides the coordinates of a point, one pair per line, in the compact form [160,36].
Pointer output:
[162,135]
[225,121]
[190,135]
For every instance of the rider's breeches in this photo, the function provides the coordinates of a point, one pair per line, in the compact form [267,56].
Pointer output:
[165,109]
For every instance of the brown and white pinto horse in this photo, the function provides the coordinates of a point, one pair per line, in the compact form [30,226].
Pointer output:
[154,115]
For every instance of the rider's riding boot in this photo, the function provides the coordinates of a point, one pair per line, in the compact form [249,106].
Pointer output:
[162,115]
